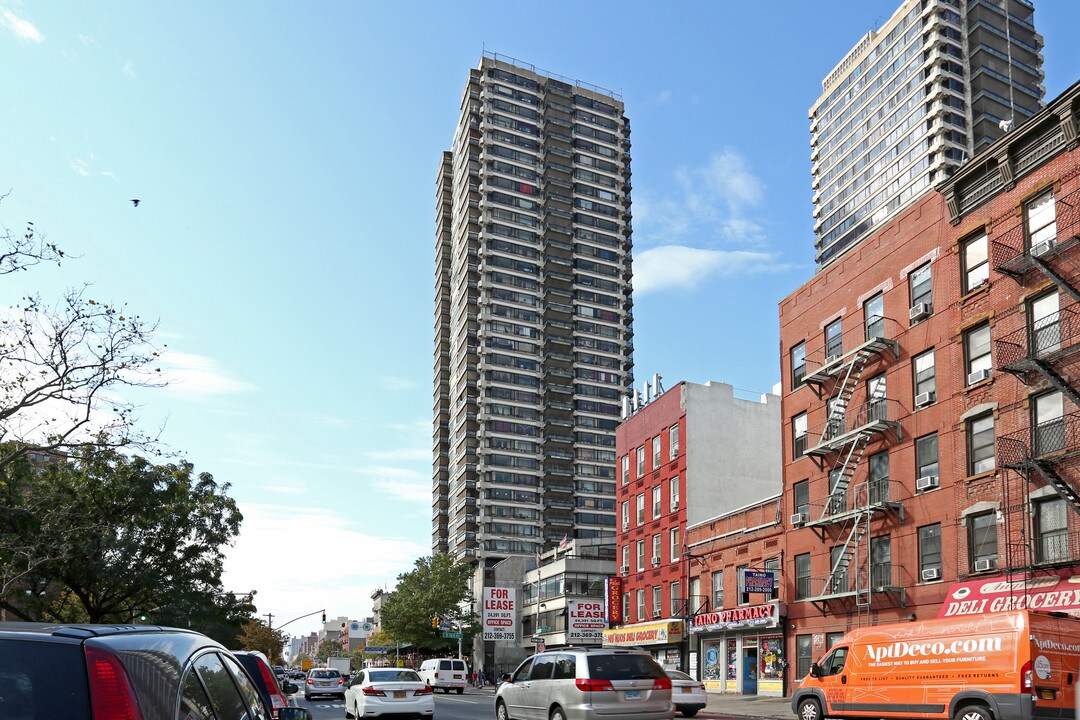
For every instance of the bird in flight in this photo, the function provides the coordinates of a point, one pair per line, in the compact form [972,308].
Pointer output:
[135,202]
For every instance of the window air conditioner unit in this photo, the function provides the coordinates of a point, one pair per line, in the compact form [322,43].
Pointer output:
[626,526]
[931,574]
[1042,248]
[624,570]
[919,311]
[985,564]
[656,613]
[926,398]
[978,376]
[656,561]
[928,482]
[798,518]
[830,359]
[674,505]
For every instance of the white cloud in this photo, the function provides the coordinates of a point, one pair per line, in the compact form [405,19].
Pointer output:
[129,70]
[680,267]
[81,167]
[23,28]
[410,491]
[197,375]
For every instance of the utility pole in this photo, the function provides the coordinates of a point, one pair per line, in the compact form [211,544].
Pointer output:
[270,625]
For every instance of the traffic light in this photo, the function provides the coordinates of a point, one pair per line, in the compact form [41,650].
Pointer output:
[435,621]
[324,616]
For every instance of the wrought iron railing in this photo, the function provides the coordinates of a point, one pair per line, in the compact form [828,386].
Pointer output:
[1047,337]
[1019,449]
[1009,253]
[867,415]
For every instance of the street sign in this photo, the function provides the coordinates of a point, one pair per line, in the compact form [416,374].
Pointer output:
[444,625]
[452,635]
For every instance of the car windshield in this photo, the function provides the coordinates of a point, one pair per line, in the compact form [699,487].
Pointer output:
[325,674]
[393,676]
[623,667]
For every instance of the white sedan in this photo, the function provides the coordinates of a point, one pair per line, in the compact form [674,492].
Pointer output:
[388,691]
[687,693]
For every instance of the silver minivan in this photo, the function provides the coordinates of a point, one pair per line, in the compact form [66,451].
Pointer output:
[586,684]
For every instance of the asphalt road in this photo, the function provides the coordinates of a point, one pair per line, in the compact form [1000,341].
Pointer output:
[472,705]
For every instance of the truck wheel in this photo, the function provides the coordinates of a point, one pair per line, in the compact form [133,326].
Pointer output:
[973,712]
[809,709]
[460,691]
[689,712]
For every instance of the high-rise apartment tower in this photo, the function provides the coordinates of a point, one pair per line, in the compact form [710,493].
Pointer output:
[533,314]
[937,83]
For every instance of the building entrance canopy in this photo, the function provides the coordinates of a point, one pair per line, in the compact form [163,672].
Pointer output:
[1046,593]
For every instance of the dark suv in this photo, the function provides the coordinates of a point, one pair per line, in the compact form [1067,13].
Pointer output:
[123,672]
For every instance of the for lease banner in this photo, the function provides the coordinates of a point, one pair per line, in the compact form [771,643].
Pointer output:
[584,620]
[500,613]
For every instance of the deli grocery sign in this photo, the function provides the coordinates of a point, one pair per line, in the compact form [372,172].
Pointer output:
[584,620]
[1047,593]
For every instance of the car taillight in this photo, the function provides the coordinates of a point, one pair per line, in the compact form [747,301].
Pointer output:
[663,683]
[426,690]
[590,685]
[1025,677]
[310,681]
[369,690]
[111,694]
[436,676]
[341,681]
[272,688]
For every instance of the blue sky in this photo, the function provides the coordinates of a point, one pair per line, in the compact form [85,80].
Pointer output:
[285,156]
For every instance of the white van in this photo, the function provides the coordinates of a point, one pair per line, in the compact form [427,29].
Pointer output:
[445,674]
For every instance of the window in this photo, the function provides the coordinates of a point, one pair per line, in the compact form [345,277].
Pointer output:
[740,574]
[694,599]
[834,662]
[626,607]
[674,544]
[1041,220]
[982,541]
[980,438]
[877,404]
[626,514]
[641,461]
[640,555]
[881,562]
[1048,424]
[800,493]
[641,604]
[975,263]
[930,552]
[641,509]
[977,353]
[1051,531]
[1044,318]
[799,431]
[874,316]
[656,452]
[878,478]
[657,493]
[656,589]
[798,364]
[773,566]
[673,442]
[834,340]
[675,599]
[718,590]
[926,456]
[673,493]
[803,654]
[920,283]
[925,378]
[802,576]
[626,557]
[838,572]
[625,469]
[656,548]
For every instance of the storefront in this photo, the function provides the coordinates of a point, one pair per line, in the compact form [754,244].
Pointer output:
[662,639]
[742,650]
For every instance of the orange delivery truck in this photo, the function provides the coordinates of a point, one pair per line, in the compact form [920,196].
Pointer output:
[1016,665]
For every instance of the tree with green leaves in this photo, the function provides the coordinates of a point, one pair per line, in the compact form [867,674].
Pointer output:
[257,635]
[329,647]
[436,587]
[121,538]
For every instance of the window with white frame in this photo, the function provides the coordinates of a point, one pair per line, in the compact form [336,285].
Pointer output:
[1048,423]
[798,364]
[673,441]
[1041,220]
[799,430]
[921,286]
[657,493]
[625,469]
[980,437]
[641,461]
[982,541]
[975,261]
[656,452]
[626,606]
[674,546]
[1051,530]
[718,590]
[656,548]
[641,509]
[626,514]
[656,599]
[977,362]
[1044,318]
[641,604]
[673,493]
[640,555]
[834,340]
[926,456]
[925,378]
[626,557]
[675,600]
[930,552]
[874,316]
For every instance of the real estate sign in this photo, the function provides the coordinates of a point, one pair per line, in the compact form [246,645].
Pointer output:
[584,620]
[500,613]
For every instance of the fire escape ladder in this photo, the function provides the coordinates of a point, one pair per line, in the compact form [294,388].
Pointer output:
[1057,381]
[1060,281]
[838,574]
[1063,488]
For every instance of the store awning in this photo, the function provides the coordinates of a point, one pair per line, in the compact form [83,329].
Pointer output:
[1046,593]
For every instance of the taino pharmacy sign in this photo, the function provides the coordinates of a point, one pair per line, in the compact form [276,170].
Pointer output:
[753,616]
[500,613]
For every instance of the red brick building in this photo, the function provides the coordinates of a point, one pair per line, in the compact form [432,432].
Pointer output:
[930,399]
[691,453]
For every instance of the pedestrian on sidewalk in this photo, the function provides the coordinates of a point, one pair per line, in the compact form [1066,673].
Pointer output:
[481,680]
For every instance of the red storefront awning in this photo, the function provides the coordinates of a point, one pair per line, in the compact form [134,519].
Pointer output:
[1046,593]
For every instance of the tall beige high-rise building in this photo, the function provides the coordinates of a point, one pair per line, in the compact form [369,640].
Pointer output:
[533,314]
[937,83]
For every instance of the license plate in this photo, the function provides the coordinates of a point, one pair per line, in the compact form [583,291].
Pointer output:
[1046,694]
[633,695]
[686,689]
[399,693]
[457,677]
